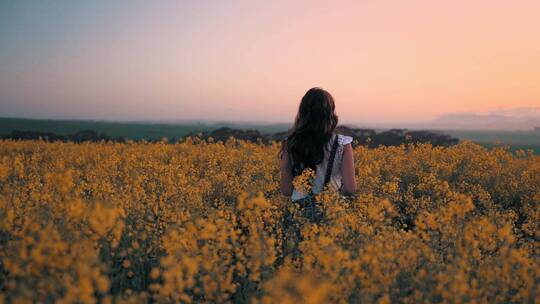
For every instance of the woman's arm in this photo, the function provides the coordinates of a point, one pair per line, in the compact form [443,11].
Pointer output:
[286,184]
[347,170]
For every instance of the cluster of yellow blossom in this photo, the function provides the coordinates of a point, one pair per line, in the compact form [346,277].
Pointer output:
[205,222]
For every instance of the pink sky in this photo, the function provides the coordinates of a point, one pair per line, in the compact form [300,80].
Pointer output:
[252,60]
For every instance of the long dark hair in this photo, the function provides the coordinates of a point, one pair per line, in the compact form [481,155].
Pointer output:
[312,129]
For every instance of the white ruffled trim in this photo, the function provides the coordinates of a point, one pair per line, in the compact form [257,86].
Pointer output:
[344,139]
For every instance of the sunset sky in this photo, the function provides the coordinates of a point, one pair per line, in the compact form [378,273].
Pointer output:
[253,60]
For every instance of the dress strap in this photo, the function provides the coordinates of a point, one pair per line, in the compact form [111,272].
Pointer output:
[330,164]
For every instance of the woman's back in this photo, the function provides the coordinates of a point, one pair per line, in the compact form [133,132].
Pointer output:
[309,143]
[336,177]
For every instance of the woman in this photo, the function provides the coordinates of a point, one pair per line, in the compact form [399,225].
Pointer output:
[309,144]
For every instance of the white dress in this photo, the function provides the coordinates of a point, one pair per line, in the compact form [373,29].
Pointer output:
[335,177]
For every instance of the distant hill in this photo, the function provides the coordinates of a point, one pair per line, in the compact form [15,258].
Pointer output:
[368,137]
[486,122]
[518,139]
[129,130]
[78,137]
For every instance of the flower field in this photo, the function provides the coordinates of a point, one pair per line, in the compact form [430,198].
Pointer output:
[203,222]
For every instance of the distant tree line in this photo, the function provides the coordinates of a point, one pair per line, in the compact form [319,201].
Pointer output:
[367,137]
[396,137]
[78,137]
